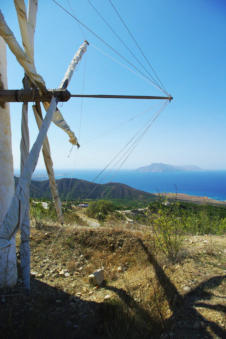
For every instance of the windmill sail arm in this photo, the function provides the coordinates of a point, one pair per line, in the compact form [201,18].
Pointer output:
[24,60]
[74,62]
[18,206]
[49,164]
[58,118]
[22,19]
[31,22]
[59,121]
[27,28]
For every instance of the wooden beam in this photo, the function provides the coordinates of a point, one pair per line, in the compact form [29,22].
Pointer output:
[116,96]
[62,95]
[32,95]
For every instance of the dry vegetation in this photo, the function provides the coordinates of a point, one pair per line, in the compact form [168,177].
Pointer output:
[145,295]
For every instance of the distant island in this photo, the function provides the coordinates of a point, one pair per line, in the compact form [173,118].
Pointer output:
[160,168]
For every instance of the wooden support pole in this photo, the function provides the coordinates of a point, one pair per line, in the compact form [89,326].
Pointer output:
[8,263]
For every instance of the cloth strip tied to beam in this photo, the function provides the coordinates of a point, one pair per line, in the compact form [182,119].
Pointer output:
[18,206]
[27,33]
[28,64]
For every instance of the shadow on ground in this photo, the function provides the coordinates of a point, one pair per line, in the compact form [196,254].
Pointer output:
[49,312]
[186,321]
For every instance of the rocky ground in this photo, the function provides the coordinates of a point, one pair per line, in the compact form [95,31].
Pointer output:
[143,294]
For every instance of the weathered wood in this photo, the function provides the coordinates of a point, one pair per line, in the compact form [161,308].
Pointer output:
[25,222]
[18,207]
[24,60]
[62,95]
[31,22]
[49,164]
[27,23]
[32,95]
[8,264]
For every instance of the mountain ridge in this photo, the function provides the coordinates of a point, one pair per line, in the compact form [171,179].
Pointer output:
[72,189]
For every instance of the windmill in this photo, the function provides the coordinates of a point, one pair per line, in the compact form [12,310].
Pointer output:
[14,209]
[14,212]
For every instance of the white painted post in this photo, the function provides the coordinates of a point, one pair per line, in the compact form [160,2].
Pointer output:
[8,262]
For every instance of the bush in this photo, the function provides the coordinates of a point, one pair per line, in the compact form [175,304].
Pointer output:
[39,213]
[194,218]
[100,209]
[167,232]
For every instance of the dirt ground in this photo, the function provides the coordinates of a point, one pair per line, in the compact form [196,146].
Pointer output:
[143,295]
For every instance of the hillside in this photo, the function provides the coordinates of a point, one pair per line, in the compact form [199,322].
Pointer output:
[160,168]
[72,189]
[144,294]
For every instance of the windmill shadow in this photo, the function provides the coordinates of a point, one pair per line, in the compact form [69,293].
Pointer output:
[142,324]
[49,312]
[190,323]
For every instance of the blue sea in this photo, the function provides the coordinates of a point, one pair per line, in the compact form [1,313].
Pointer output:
[210,184]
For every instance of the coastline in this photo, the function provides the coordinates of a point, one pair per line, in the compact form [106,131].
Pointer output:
[200,187]
[191,198]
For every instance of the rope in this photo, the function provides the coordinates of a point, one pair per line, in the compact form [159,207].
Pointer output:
[123,43]
[80,27]
[127,67]
[104,42]
[143,133]
[135,139]
[118,126]
[138,46]
[130,145]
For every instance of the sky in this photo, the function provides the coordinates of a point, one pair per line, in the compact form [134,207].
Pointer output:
[185,42]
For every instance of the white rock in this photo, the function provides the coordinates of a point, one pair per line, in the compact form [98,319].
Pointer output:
[186,289]
[97,277]
[107,297]
[67,274]
[119,269]
[34,273]
[45,205]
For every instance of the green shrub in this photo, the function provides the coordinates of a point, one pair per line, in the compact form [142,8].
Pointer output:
[39,213]
[167,233]
[194,218]
[100,209]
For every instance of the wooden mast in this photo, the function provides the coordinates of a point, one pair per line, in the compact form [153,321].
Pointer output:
[8,265]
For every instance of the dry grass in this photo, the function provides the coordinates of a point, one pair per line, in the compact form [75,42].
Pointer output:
[146,292]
